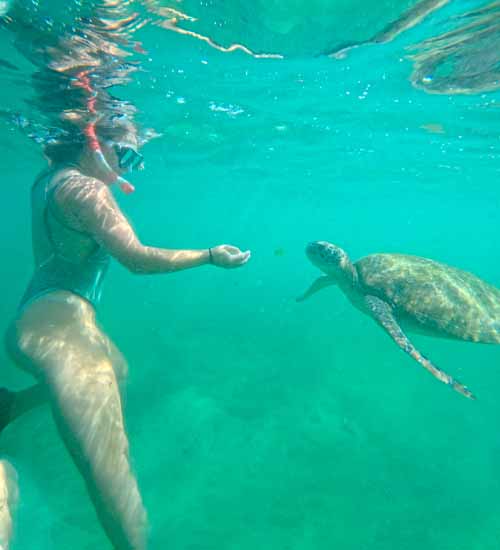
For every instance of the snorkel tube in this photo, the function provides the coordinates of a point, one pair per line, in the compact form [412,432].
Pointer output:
[82,80]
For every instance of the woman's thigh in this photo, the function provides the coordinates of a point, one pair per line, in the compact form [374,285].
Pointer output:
[58,333]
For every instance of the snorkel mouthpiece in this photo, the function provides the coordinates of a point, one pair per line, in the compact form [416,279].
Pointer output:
[125,186]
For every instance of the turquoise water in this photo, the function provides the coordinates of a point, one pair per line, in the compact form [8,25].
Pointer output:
[256,421]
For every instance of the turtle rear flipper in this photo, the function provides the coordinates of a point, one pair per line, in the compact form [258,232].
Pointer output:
[319,284]
[383,314]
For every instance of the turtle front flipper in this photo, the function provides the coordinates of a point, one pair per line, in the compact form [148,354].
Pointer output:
[383,314]
[318,284]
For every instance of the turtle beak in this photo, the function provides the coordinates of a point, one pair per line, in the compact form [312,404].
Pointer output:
[313,248]
[313,251]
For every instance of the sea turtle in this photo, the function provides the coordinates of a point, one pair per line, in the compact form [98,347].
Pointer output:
[421,294]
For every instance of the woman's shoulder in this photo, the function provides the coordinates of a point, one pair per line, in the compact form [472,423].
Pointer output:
[62,176]
[71,184]
[71,193]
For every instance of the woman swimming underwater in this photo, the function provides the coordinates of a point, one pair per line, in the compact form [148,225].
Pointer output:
[77,227]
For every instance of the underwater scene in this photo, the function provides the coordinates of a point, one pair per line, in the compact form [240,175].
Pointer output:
[261,408]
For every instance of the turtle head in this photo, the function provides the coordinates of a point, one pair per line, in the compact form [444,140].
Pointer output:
[332,260]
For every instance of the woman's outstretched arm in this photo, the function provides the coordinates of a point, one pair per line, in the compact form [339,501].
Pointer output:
[88,205]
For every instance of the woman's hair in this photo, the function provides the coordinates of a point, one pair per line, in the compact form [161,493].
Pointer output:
[71,144]
[64,151]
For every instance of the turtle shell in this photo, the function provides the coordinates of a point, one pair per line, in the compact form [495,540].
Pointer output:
[437,296]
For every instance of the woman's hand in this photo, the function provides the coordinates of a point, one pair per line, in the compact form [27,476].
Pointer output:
[228,256]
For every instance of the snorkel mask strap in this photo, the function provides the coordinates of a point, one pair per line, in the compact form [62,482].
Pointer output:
[83,81]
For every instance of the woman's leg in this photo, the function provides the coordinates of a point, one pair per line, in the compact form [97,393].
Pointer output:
[8,501]
[58,341]
[14,404]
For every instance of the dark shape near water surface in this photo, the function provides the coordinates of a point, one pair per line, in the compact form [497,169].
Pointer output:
[8,65]
[464,60]
[417,294]
[411,17]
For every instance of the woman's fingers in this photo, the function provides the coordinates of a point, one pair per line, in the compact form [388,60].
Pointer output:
[240,258]
[245,256]
[230,256]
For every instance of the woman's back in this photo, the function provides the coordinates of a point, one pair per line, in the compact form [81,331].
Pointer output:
[65,258]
